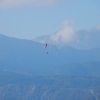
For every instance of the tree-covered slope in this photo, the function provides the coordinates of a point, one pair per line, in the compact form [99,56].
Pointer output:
[15,86]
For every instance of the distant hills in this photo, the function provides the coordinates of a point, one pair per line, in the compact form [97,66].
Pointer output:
[31,57]
[27,72]
[83,39]
[16,86]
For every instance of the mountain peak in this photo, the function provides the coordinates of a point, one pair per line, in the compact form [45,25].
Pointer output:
[83,39]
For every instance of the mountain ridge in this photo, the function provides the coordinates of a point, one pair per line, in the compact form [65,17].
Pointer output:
[28,72]
[83,39]
[30,57]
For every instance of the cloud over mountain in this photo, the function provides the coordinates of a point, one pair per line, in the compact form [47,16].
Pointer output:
[83,39]
[65,35]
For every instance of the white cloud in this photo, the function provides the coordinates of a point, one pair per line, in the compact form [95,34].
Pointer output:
[18,3]
[65,35]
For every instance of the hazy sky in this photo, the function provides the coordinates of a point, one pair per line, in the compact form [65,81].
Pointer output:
[31,18]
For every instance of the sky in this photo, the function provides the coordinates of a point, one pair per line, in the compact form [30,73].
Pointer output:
[27,19]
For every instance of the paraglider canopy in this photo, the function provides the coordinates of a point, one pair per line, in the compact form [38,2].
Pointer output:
[45,45]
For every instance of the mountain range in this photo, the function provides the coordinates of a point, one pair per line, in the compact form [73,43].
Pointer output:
[31,57]
[28,72]
[83,39]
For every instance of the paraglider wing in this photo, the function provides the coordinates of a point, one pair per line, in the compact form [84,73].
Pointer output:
[45,45]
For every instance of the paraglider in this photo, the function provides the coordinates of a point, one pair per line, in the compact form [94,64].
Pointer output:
[45,46]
